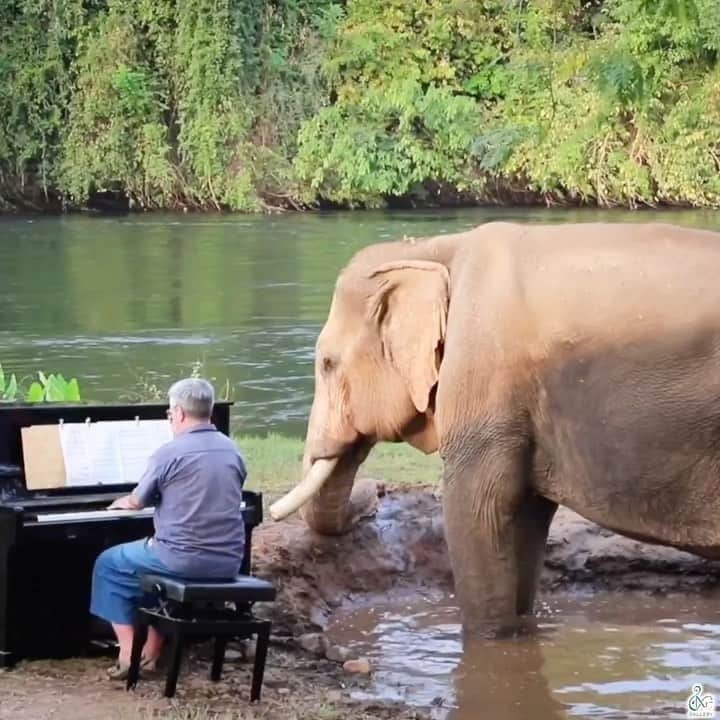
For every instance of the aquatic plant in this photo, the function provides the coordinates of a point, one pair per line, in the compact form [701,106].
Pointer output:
[9,387]
[47,388]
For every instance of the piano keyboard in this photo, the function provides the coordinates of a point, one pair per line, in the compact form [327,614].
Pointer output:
[93,515]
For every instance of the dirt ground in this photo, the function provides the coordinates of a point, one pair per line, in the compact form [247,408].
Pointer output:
[397,548]
[297,687]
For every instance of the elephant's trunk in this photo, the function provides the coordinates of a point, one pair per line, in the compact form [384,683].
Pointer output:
[323,497]
[311,484]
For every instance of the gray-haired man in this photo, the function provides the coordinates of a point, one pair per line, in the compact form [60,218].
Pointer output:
[195,482]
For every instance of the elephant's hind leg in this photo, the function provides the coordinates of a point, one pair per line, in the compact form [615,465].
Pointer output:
[496,531]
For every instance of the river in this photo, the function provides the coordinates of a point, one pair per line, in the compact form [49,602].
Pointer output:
[128,304]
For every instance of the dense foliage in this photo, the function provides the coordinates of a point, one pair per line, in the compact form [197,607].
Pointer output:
[249,104]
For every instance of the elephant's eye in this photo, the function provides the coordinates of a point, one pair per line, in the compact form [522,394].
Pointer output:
[327,364]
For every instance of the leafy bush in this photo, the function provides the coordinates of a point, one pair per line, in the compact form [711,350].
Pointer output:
[560,100]
[173,104]
[247,105]
[48,388]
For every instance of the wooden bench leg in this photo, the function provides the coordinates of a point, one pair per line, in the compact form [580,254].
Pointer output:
[218,657]
[174,666]
[261,648]
[139,638]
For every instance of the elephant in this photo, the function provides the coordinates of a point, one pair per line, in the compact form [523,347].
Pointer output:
[572,364]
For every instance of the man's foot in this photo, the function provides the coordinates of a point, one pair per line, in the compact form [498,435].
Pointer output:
[119,671]
[149,665]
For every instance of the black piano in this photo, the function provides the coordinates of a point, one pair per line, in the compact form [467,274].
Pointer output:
[49,539]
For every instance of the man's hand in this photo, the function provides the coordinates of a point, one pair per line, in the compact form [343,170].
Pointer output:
[126,502]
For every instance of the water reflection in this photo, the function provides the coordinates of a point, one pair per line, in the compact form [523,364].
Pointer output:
[503,680]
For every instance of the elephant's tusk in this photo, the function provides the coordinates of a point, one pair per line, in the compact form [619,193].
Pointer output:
[301,493]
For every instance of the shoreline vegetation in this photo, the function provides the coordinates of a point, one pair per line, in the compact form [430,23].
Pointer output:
[247,106]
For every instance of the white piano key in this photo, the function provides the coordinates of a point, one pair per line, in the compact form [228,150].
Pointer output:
[93,515]
[71,516]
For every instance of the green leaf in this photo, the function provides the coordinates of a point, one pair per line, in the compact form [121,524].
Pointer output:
[35,393]
[2,381]
[11,391]
[55,390]
[42,377]
[72,392]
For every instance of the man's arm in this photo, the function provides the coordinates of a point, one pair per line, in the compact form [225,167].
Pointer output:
[147,489]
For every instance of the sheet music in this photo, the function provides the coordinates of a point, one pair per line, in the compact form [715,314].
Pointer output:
[103,456]
[136,442]
[110,452]
[75,443]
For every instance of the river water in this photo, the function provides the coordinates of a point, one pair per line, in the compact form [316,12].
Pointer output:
[601,655]
[128,303]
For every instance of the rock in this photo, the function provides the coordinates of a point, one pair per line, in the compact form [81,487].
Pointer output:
[338,653]
[361,666]
[314,643]
[232,655]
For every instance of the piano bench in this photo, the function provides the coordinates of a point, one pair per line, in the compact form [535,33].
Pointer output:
[203,609]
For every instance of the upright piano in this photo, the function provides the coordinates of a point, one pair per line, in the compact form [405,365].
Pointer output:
[49,538]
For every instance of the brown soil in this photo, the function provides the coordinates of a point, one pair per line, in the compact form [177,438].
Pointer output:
[400,547]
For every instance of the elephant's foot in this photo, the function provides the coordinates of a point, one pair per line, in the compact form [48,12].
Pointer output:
[506,628]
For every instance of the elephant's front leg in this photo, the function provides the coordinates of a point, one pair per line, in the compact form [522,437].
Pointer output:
[496,530]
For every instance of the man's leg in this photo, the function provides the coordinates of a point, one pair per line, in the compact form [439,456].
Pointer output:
[153,645]
[151,650]
[124,635]
[116,593]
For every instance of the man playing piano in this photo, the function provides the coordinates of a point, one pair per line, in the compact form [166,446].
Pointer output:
[195,482]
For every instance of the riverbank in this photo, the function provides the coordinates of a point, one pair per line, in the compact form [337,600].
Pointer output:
[395,555]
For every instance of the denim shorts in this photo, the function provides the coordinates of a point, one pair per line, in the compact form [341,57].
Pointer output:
[116,592]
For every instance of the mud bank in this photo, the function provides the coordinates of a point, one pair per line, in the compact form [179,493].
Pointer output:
[401,547]
[398,551]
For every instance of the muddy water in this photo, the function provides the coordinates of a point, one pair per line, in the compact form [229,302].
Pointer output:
[603,655]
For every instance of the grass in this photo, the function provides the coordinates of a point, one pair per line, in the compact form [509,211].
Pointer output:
[275,463]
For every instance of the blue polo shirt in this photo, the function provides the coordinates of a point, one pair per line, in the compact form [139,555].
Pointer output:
[195,482]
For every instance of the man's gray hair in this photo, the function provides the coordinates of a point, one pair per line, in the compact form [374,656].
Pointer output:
[194,395]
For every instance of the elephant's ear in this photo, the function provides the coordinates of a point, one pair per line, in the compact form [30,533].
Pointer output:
[410,309]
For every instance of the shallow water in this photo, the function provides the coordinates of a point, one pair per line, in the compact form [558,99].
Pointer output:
[128,303]
[602,656]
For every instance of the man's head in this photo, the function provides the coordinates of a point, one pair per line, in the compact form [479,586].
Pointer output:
[191,403]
